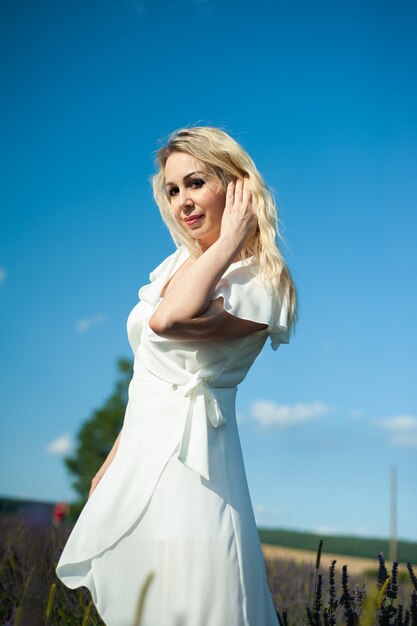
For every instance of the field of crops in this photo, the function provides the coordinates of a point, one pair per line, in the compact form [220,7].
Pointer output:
[304,593]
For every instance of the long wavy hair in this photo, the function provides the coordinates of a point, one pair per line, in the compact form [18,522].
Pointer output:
[225,159]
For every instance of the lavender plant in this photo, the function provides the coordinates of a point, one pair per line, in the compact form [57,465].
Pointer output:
[30,592]
[349,604]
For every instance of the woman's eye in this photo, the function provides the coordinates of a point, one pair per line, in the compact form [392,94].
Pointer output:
[198,181]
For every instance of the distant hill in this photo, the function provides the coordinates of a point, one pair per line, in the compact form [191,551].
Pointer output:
[37,512]
[40,512]
[340,544]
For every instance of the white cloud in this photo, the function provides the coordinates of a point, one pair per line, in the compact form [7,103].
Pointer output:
[265,514]
[3,274]
[265,509]
[356,413]
[359,531]
[240,417]
[402,430]
[324,530]
[60,445]
[87,323]
[272,415]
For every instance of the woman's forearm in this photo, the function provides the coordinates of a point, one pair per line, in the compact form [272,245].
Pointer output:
[110,455]
[190,295]
[115,445]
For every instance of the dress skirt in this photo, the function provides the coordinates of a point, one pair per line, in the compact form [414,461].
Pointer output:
[197,537]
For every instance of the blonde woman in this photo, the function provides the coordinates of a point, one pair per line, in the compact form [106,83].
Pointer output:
[168,530]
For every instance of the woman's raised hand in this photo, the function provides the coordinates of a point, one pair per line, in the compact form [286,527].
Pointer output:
[239,220]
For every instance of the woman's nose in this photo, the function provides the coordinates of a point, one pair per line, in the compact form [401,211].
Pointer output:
[184,198]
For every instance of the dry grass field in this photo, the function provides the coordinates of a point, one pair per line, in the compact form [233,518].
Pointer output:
[356,565]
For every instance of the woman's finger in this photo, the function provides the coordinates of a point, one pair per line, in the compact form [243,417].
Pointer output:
[230,193]
[238,191]
[247,193]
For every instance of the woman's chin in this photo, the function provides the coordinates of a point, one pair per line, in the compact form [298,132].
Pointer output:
[204,238]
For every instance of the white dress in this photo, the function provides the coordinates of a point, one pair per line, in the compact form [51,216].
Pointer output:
[175,501]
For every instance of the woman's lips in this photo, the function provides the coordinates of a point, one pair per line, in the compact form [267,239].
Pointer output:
[193,220]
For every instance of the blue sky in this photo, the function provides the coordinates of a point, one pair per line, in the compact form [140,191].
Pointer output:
[323,97]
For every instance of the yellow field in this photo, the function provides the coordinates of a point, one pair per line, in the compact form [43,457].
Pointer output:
[356,565]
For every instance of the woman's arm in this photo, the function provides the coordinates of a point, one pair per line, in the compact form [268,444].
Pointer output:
[190,295]
[105,465]
[215,323]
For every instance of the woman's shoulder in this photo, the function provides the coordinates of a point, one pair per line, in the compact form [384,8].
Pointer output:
[169,261]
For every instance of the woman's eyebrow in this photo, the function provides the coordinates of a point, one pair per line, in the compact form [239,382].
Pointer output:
[186,176]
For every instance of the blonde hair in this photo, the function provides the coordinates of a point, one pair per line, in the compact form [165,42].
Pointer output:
[226,160]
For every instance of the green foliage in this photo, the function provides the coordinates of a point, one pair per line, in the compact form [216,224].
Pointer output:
[97,436]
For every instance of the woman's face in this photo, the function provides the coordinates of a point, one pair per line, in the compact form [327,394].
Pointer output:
[197,198]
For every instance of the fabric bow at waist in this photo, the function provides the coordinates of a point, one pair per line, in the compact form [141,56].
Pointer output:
[203,407]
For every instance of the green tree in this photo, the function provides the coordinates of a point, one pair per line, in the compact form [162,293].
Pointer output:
[97,435]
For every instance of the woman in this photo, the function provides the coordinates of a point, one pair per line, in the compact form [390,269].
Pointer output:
[169,513]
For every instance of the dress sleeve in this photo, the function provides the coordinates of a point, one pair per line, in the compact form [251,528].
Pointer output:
[245,296]
[150,293]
